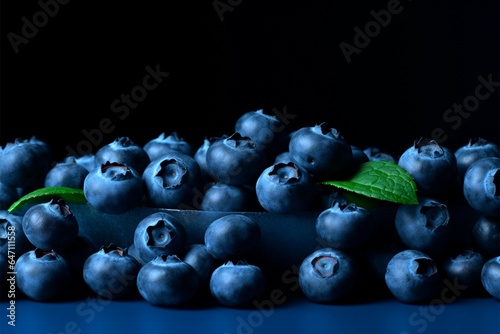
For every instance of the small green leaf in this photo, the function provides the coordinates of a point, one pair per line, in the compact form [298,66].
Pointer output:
[46,194]
[383,180]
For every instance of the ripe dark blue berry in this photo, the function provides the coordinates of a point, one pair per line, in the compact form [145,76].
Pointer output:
[171,180]
[235,160]
[464,267]
[167,281]
[229,198]
[486,235]
[285,188]
[24,163]
[232,237]
[158,234]
[266,131]
[412,277]
[166,144]
[328,275]
[111,272]
[321,151]
[345,227]
[482,186]
[237,284]
[67,173]
[432,166]
[475,149]
[50,225]
[490,276]
[43,275]
[113,188]
[124,151]
[426,226]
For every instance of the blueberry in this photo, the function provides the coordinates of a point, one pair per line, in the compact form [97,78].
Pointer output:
[12,234]
[125,151]
[486,235]
[24,163]
[229,198]
[166,144]
[237,284]
[111,272]
[157,234]
[412,277]
[235,160]
[50,225]
[114,188]
[328,275]
[232,237]
[482,186]
[345,226]
[464,268]
[321,151]
[285,188]
[167,281]
[432,166]
[475,149]
[43,275]
[426,226]
[266,131]
[490,276]
[171,181]
[67,173]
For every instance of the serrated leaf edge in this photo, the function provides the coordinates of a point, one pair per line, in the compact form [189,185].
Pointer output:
[350,185]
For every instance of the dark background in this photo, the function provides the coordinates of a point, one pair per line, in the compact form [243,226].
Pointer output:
[261,55]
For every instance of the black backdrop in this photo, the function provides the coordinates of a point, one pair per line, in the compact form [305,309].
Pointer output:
[68,65]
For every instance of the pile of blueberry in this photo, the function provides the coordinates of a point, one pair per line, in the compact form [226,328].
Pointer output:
[259,167]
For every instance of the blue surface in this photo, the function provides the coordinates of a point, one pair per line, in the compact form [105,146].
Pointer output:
[287,314]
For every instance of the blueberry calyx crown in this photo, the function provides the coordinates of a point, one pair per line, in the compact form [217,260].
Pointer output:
[285,173]
[112,248]
[423,266]
[477,141]
[124,142]
[167,258]
[330,132]
[159,235]
[429,147]
[116,171]
[60,204]
[48,255]
[236,140]
[436,214]
[171,173]
[325,265]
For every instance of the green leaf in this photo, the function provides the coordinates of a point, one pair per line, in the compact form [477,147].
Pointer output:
[46,194]
[382,180]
